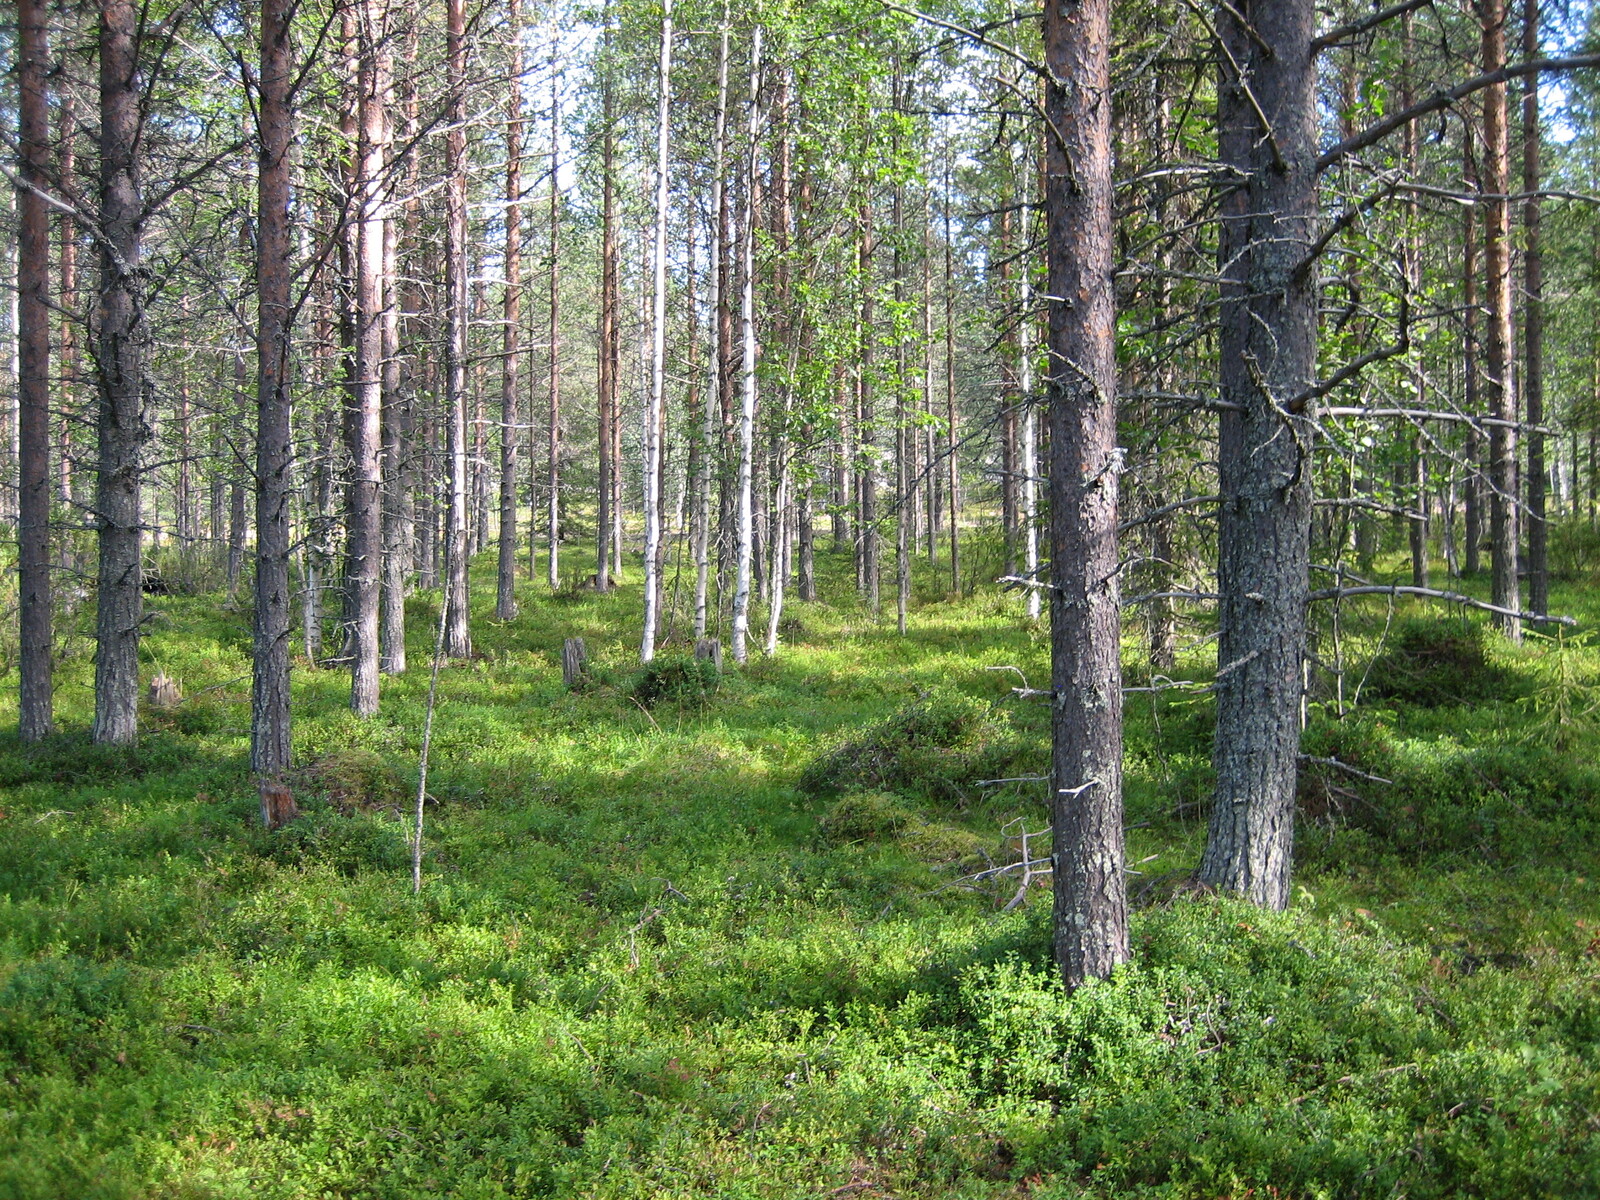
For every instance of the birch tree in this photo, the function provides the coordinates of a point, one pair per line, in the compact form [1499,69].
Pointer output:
[745,530]
[658,351]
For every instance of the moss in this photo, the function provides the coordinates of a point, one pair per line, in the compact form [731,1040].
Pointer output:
[355,780]
[1434,662]
[865,817]
[936,748]
[939,844]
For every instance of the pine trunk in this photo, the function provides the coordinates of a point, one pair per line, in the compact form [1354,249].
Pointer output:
[1268,367]
[1533,322]
[270,746]
[121,426]
[35,714]
[1090,915]
[1505,587]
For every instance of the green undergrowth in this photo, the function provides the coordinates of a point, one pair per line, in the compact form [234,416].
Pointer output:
[743,936]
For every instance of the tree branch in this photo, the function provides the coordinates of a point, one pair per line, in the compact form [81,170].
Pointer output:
[1373,134]
[1356,28]
[1435,594]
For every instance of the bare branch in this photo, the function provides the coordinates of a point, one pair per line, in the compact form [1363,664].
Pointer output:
[1435,594]
[1374,134]
[1356,28]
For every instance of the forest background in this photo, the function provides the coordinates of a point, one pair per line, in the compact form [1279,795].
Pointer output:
[1099,442]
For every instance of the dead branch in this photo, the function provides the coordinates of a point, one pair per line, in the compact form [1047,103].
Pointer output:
[1435,594]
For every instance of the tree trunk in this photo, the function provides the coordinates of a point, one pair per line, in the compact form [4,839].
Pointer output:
[553,333]
[747,323]
[270,746]
[71,315]
[1505,588]
[366,416]
[505,592]
[1027,457]
[1268,366]
[1472,518]
[1009,494]
[654,405]
[1090,916]
[868,544]
[121,427]
[716,278]
[903,472]
[952,438]
[35,714]
[1533,322]
[1417,484]
[396,449]
[458,637]
[609,334]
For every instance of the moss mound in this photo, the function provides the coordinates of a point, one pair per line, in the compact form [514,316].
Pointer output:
[936,748]
[1433,663]
[355,781]
[885,818]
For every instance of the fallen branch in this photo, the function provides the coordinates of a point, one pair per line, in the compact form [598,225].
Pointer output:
[1346,767]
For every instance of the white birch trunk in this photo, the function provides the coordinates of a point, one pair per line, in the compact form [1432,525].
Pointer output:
[747,411]
[1030,452]
[708,429]
[658,356]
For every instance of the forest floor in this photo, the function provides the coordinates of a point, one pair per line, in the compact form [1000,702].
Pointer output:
[684,941]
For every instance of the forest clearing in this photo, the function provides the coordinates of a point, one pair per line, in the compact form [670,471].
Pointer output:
[655,598]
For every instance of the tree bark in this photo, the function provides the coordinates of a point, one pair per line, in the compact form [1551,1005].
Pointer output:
[270,745]
[716,278]
[553,336]
[605,519]
[866,413]
[1533,322]
[747,322]
[1090,915]
[1472,517]
[396,448]
[1027,456]
[458,637]
[505,592]
[952,437]
[655,403]
[1505,588]
[1267,138]
[365,514]
[1417,484]
[72,316]
[121,428]
[903,472]
[35,714]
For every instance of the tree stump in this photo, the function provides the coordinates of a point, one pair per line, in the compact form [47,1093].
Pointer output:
[277,804]
[164,692]
[574,661]
[710,648]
